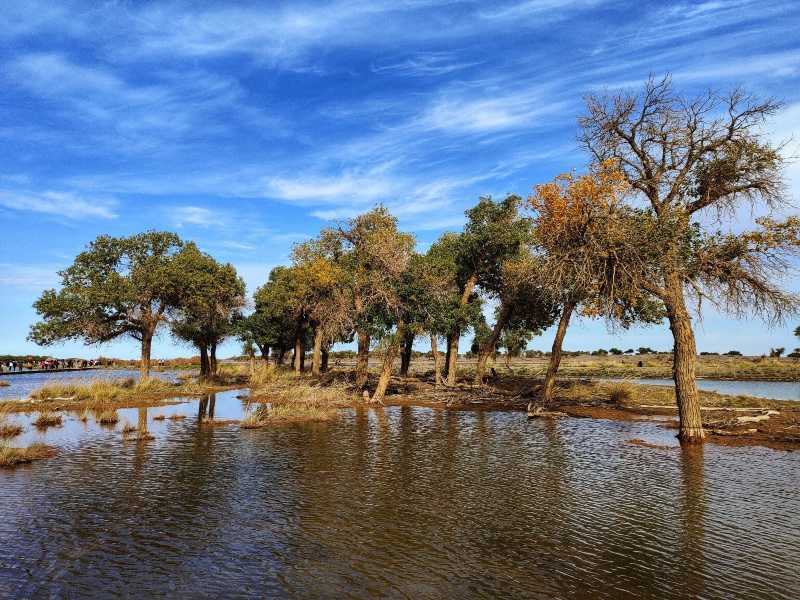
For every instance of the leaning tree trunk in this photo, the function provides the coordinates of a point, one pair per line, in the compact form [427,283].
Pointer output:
[437,361]
[316,359]
[490,345]
[362,362]
[203,361]
[548,388]
[388,363]
[452,345]
[144,364]
[684,360]
[405,357]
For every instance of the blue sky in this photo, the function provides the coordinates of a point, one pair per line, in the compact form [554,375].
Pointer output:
[248,126]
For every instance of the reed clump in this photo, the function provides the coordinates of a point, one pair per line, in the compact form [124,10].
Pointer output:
[108,417]
[4,383]
[8,430]
[47,418]
[297,411]
[11,456]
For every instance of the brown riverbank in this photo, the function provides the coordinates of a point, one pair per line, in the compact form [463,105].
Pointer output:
[729,420]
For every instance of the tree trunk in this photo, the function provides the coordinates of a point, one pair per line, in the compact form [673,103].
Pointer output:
[452,345]
[212,360]
[362,362]
[489,346]
[388,363]
[325,358]
[452,357]
[684,360]
[264,348]
[203,361]
[281,356]
[447,347]
[405,357]
[144,364]
[298,348]
[437,361]
[316,360]
[548,388]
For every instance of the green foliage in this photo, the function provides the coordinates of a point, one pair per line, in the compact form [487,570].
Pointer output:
[494,232]
[116,287]
[211,296]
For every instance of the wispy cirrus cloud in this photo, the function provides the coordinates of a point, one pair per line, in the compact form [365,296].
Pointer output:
[181,216]
[425,64]
[67,205]
[28,277]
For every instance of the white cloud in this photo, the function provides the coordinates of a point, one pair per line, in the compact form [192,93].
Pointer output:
[181,216]
[63,204]
[28,277]
[425,64]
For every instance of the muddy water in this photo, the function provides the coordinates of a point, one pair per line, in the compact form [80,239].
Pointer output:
[397,503]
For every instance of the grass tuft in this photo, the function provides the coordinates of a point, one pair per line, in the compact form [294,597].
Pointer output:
[289,412]
[11,456]
[47,419]
[9,430]
[108,417]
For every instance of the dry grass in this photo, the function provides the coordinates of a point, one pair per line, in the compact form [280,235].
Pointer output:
[9,430]
[128,428]
[97,390]
[255,374]
[632,395]
[108,417]
[159,417]
[11,456]
[4,383]
[297,411]
[176,417]
[101,394]
[47,418]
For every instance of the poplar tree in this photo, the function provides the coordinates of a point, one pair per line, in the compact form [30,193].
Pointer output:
[117,287]
[688,161]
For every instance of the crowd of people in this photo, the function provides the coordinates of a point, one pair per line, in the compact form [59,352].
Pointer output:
[48,364]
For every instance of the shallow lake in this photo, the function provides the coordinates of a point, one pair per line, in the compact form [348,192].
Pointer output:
[22,384]
[396,503]
[777,390]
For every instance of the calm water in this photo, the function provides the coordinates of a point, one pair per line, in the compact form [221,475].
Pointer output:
[397,503]
[777,390]
[21,385]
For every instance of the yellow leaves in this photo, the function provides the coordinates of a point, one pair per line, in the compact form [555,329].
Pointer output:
[568,205]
